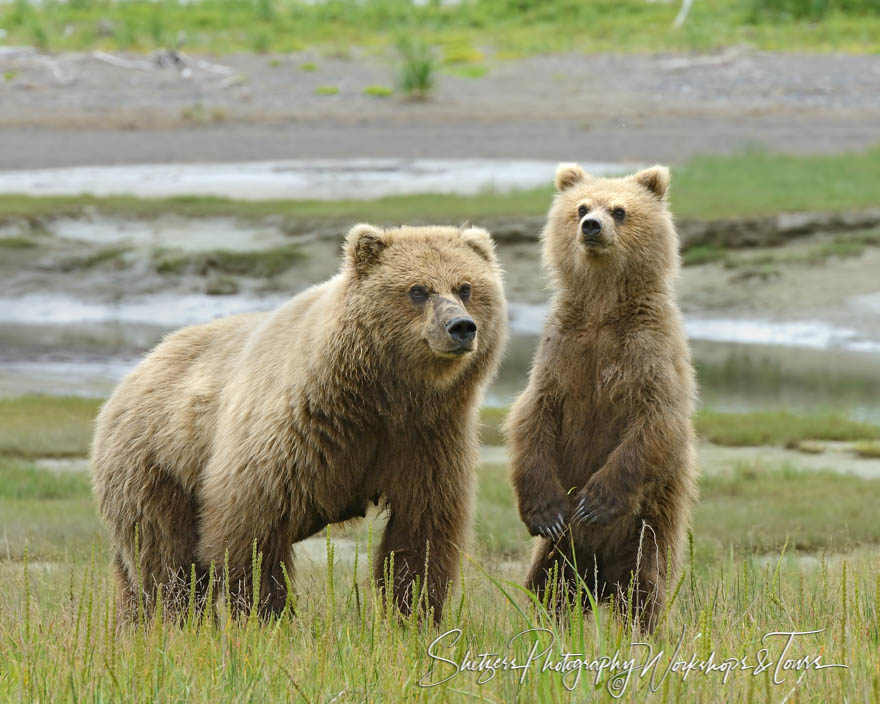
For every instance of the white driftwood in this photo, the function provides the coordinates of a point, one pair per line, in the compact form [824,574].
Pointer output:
[119,62]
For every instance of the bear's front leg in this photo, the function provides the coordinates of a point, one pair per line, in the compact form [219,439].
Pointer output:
[531,430]
[649,452]
[233,522]
[426,531]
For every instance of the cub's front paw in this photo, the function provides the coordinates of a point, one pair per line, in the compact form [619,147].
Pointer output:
[547,519]
[591,509]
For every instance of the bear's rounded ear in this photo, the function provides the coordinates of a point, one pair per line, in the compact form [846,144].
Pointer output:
[567,175]
[480,241]
[363,245]
[655,179]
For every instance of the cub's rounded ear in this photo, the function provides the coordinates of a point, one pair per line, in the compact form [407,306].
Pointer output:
[567,175]
[655,179]
[480,241]
[363,245]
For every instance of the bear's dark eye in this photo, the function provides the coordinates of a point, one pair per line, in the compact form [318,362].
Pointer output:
[464,292]
[418,294]
[583,210]
[618,214]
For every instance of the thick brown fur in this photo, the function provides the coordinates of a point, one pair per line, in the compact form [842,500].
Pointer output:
[267,427]
[601,441]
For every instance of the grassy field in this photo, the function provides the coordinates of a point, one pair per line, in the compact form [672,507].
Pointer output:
[764,559]
[746,429]
[774,548]
[749,184]
[49,426]
[509,27]
[36,426]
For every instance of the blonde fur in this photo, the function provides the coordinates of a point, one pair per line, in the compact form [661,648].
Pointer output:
[267,427]
[601,441]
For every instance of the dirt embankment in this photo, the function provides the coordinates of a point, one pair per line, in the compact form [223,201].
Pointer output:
[793,264]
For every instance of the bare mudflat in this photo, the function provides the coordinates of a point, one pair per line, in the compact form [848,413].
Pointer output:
[83,108]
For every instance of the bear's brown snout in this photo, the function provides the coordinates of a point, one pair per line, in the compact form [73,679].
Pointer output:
[451,331]
[462,330]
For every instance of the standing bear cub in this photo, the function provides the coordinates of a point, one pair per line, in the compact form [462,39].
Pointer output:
[601,440]
[267,427]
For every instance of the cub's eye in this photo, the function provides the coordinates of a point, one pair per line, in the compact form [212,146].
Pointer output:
[583,210]
[618,214]
[418,294]
[464,292]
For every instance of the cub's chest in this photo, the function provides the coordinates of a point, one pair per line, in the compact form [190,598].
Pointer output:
[590,365]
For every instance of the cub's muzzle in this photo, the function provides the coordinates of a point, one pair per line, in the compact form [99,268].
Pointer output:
[591,229]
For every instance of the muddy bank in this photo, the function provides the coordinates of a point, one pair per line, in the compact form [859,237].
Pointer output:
[260,232]
[768,231]
[794,326]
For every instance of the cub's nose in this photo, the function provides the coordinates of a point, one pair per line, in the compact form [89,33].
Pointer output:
[591,227]
[462,330]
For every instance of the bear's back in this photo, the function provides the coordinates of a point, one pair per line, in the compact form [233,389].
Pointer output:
[165,410]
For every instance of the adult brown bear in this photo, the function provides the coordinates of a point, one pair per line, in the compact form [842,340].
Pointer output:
[267,427]
[601,441]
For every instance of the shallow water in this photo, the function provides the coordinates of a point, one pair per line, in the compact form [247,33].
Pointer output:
[170,231]
[312,179]
[812,334]
[86,347]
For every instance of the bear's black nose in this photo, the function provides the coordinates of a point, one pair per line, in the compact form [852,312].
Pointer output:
[591,227]
[462,330]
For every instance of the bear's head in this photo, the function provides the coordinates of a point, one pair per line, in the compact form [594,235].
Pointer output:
[610,226]
[431,297]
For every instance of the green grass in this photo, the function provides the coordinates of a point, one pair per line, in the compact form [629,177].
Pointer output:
[758,182]
[756,509]
[378,91]
[706,187]
[417,68]
[21,481]
[327,90]
[309,66]
[744,577]
[259,263]
[739,429]
[511,27]
[779,428]
[46,426]
[469,70]
[774,548]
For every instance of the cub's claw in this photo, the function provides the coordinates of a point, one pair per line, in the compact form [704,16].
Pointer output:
[558,528]
[553,531]
[547,521]
[588,512]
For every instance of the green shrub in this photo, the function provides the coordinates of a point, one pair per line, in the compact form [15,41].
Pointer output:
[417,69]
